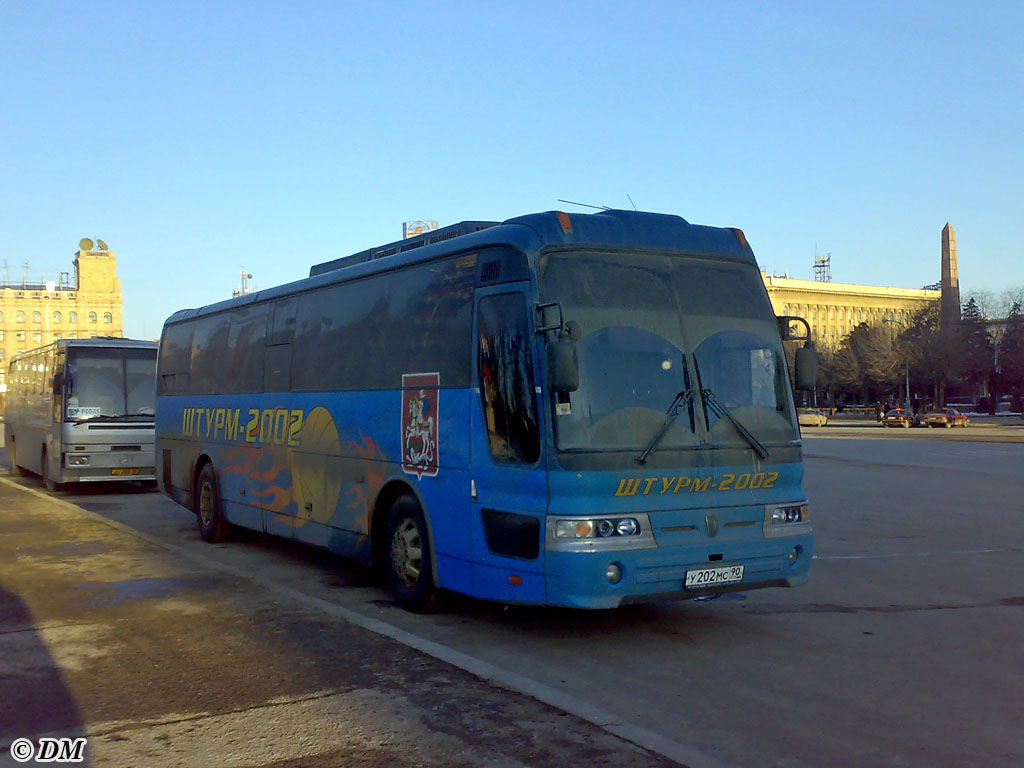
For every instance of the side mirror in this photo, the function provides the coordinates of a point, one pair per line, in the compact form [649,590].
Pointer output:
[786,328]
[563,365]
[806,367]
[58,383]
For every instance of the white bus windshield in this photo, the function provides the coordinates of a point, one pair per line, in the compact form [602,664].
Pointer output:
[655,326]
[110,384]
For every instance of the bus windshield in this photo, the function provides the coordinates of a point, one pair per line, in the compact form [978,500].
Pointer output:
[110,384]
[653,327]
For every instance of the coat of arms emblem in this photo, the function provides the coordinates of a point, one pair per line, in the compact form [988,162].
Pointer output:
[420,395]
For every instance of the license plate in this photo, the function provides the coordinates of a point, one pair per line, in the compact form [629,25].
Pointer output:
[134,471]
[710,577]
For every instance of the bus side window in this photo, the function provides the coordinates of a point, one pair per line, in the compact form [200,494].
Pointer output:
[246,343]
[507,383]
[277,374]
[283,326]
[277,362]
[209,352]
[175,358]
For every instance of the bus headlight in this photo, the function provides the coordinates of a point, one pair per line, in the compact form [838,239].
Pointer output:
[787,520]
[607,533]
[603,527]
[628,527]
[77,461]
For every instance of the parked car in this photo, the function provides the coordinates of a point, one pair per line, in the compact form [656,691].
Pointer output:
[897,417]
[811,417]
[946,417]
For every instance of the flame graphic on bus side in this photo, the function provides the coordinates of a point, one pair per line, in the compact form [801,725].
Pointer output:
[359,496]
[270,468]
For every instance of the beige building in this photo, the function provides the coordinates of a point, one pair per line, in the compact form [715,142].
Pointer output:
[835,309]
[32,315]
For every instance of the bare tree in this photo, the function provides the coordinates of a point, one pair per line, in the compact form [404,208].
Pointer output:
[933,353]
[994,305]
[868,362]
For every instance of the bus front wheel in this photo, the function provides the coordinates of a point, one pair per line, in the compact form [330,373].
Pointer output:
[48,481]
[410,568]
[213,528]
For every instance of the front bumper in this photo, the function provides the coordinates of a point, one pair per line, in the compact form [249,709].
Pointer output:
[577,579]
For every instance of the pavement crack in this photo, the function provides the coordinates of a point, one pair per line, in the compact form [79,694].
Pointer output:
[283,701]
[769,610]
[47,627]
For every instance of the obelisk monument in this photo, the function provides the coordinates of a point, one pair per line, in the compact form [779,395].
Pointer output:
[950,310]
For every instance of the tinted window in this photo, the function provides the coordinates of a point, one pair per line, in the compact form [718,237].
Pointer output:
[506,378]
[365,334]
[429,316]
[338,334]
[209,353]
[175,357]
[284,321]
[246,344]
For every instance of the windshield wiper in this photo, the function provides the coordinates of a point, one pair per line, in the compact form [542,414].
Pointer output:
[683,397]
[721,411]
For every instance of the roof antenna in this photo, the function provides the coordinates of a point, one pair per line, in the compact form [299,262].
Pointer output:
[585,205]
[631,201]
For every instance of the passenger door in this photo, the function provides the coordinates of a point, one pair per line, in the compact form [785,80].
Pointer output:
[507,450]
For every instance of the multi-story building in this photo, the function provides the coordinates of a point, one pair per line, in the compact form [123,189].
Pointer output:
[34,314]
[835,309]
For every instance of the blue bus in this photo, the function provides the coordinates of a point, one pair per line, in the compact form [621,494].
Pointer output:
[582,410]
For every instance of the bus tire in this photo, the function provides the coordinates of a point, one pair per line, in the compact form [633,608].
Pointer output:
[408,556]
[213,528]
[16,469]
[44,470]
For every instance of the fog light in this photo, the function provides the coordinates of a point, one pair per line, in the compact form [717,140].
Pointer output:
[613,573]
[794,555]
[77,461]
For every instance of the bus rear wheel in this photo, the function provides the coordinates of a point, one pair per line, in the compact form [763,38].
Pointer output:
[213,528]
[410,568]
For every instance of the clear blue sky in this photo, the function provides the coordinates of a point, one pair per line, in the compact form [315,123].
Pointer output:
[198,137]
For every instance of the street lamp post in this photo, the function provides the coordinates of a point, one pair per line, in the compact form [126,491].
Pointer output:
[906,369]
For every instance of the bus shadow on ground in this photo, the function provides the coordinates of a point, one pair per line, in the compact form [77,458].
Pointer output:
[674,616]
[34,699]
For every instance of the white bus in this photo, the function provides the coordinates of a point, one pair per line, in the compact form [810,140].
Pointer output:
[81,410]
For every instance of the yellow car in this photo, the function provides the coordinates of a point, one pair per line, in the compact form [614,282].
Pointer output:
[811,417]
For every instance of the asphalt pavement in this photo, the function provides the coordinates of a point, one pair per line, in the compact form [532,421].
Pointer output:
[159,661]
